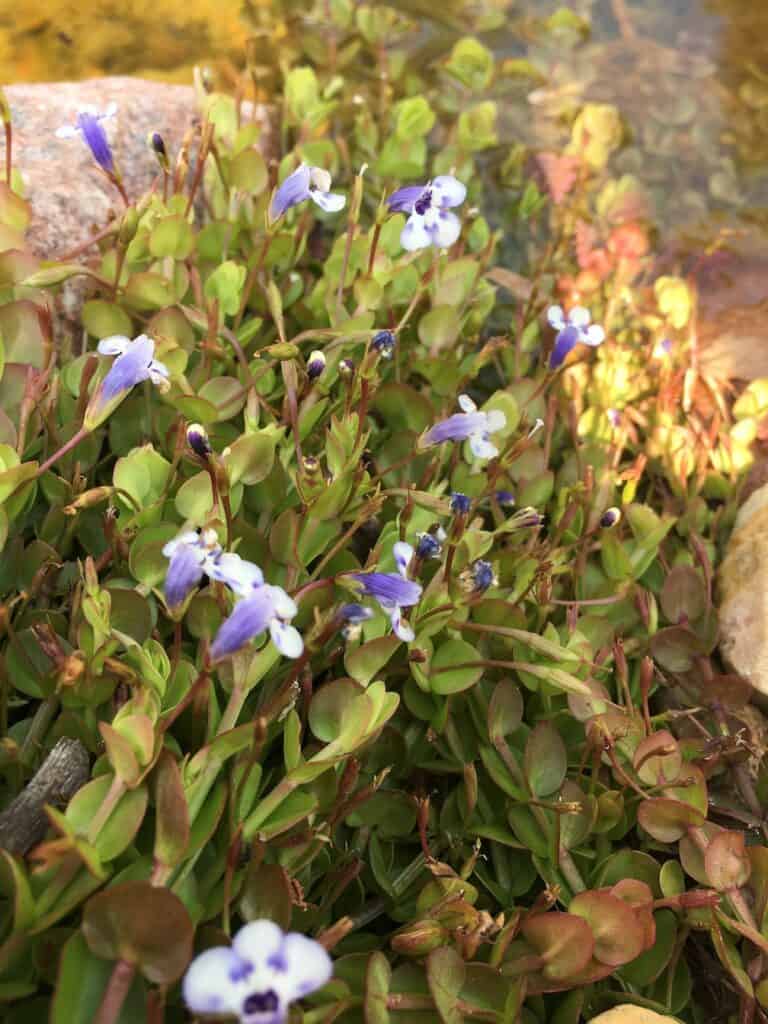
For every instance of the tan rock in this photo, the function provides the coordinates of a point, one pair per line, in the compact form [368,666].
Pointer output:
[70,198]
[743,589]
[628,1013]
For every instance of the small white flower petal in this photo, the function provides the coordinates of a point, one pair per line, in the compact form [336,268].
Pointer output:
[208,986]
[495,420]
[594,335]
[331,202]
[400,627]
[415,235]
[466,404]
[188,538]
[579,316]
[238,574]
[403,554]
[482,447]
[308,965]
[159,373]
[114,345]
[320,178]
[67,131]
[257,942]
[446,230]
[556,317]
[284,605]
[286,639]
[450,191]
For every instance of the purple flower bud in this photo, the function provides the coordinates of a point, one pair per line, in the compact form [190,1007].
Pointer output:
[315,364]
[460,504]
[478,577]
[346,369]
[430,545]
[197,439]
[610,517]
[505,498]
[384,343]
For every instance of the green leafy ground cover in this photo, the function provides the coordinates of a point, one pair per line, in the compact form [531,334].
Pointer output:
[539,807]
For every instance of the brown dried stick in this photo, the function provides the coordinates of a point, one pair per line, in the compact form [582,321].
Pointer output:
[23,823]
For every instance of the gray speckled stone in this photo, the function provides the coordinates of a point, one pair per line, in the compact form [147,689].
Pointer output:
[70,197]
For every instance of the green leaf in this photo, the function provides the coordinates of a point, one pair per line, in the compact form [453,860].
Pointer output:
[443,677]
[413,118]
[445,977]
[225,285]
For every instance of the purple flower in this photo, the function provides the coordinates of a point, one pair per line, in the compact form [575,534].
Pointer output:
[135,363]
[190,555]
[306,183]
[392,591]
[610,517]
[469,424]
[88,125]
[571,330]
[427,206]
[266,607]
[258,977]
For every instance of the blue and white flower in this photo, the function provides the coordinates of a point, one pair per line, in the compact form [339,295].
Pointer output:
[88,125]
[430,545]
[135,363]
[265,608]
[258,976]
[478,577]
[385,343]
[470,424]
[428,207]
[393,592]
[306,183]
[191,556]
[576,327]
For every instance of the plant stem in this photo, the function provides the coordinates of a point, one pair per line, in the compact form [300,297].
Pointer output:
[73,442]
[117,989]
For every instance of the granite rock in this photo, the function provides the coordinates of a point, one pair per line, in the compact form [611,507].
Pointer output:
[70,198]
[628,1013]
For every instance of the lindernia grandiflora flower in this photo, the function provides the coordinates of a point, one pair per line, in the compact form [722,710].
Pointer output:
[135,363]
[576,327]
[470,424]
[265,607]
[191,556]
[429,220]
[88,125]
[392,591]
[306,183]
[258,976]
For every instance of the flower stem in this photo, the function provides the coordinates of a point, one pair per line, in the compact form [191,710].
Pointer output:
[117,989]
[73,442]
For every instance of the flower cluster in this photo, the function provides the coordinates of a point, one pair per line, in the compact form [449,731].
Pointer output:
[258,976]
[194,555]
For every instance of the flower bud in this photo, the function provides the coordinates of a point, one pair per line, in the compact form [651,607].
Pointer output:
[420,938]
[315,364]
[610,517]
[197,439]
[505,498]
[430,545]
[346,369]
[460,504]
[88,499]
[478,577]
[157,145]
[384,343]
[282,350]
[129,225]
